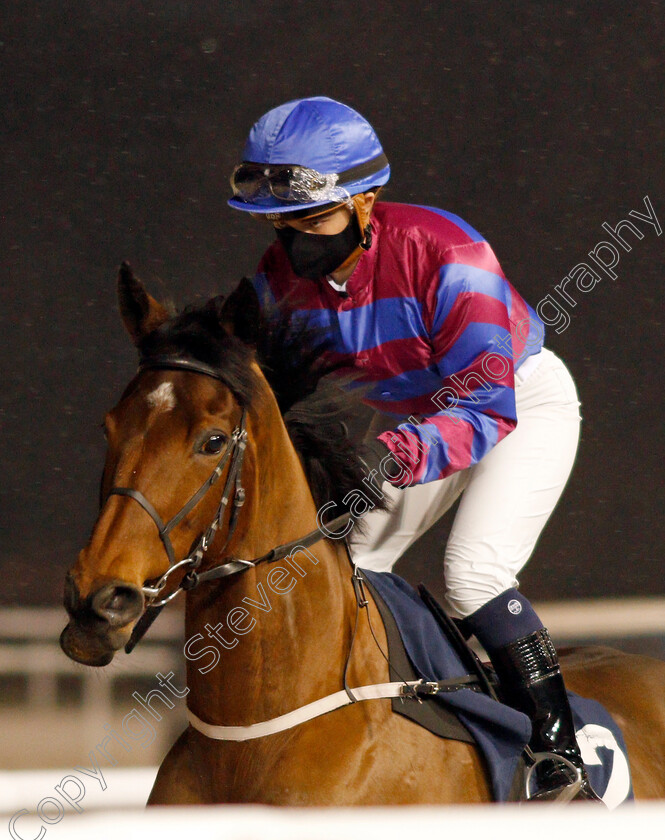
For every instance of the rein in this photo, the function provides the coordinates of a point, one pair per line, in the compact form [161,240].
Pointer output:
[233,490]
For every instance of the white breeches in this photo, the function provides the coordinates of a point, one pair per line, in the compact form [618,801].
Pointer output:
[507,497]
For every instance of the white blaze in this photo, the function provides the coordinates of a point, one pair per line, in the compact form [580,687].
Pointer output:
[162,398]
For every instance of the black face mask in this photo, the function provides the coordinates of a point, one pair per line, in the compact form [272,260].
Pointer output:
[314,255]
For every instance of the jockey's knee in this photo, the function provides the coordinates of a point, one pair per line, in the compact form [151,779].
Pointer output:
[476,573]
[465,597]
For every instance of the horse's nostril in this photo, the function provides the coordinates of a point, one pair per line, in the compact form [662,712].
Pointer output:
[118,604]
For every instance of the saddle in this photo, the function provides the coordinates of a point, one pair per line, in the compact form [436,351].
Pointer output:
[436,717]
[424,643]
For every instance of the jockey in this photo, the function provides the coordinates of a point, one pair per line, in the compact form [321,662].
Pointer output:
[468,403]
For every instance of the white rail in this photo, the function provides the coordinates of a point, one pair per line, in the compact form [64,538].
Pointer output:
[604,618]
[258,823]
[585,618]
[41,623]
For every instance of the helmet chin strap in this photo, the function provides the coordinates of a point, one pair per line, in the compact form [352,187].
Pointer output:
[362,215]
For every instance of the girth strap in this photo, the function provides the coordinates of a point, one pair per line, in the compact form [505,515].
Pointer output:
[414,689]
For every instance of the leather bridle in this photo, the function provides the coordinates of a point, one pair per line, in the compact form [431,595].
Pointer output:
[233,490]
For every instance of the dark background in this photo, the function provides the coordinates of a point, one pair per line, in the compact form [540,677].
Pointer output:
[121,122]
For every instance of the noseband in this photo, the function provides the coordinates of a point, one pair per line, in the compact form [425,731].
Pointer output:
[233,489]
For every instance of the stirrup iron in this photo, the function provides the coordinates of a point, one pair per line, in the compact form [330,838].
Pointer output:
[566,793]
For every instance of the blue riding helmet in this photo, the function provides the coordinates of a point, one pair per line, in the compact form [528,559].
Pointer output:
[307,153]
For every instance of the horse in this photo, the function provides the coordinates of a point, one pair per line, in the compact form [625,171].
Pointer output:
[219,395]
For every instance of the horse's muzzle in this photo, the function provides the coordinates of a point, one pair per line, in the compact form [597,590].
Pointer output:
[100,623]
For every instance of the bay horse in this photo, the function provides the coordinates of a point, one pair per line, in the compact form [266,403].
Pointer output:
[217,396]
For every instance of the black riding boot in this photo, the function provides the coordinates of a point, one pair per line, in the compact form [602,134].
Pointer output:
[531,682]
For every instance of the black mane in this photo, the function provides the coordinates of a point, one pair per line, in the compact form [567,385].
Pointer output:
[312,405]
[196,334]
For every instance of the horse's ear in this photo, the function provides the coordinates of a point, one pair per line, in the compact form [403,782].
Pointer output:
[140,312]
[241,313]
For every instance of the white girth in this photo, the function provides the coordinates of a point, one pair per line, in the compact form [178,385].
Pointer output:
[297,716]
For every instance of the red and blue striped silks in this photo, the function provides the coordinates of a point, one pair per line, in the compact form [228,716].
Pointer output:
[432,329]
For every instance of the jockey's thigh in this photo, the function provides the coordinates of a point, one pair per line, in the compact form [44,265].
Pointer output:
[506,498]
[385,535]
[513,490]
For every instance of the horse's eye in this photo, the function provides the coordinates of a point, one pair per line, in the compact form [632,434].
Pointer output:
[214,444]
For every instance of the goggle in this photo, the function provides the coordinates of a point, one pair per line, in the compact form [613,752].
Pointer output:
[251,181]
[291,183]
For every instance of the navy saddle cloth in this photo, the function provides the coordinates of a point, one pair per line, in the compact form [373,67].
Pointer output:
[500,732]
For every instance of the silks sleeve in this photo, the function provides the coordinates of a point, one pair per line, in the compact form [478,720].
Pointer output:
[470,334]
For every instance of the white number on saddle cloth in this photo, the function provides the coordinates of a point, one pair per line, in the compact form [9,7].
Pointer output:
[590,738]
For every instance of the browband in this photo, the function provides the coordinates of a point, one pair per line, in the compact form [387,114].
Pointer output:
[176,363]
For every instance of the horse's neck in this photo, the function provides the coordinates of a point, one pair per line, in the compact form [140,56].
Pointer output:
[276,635]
